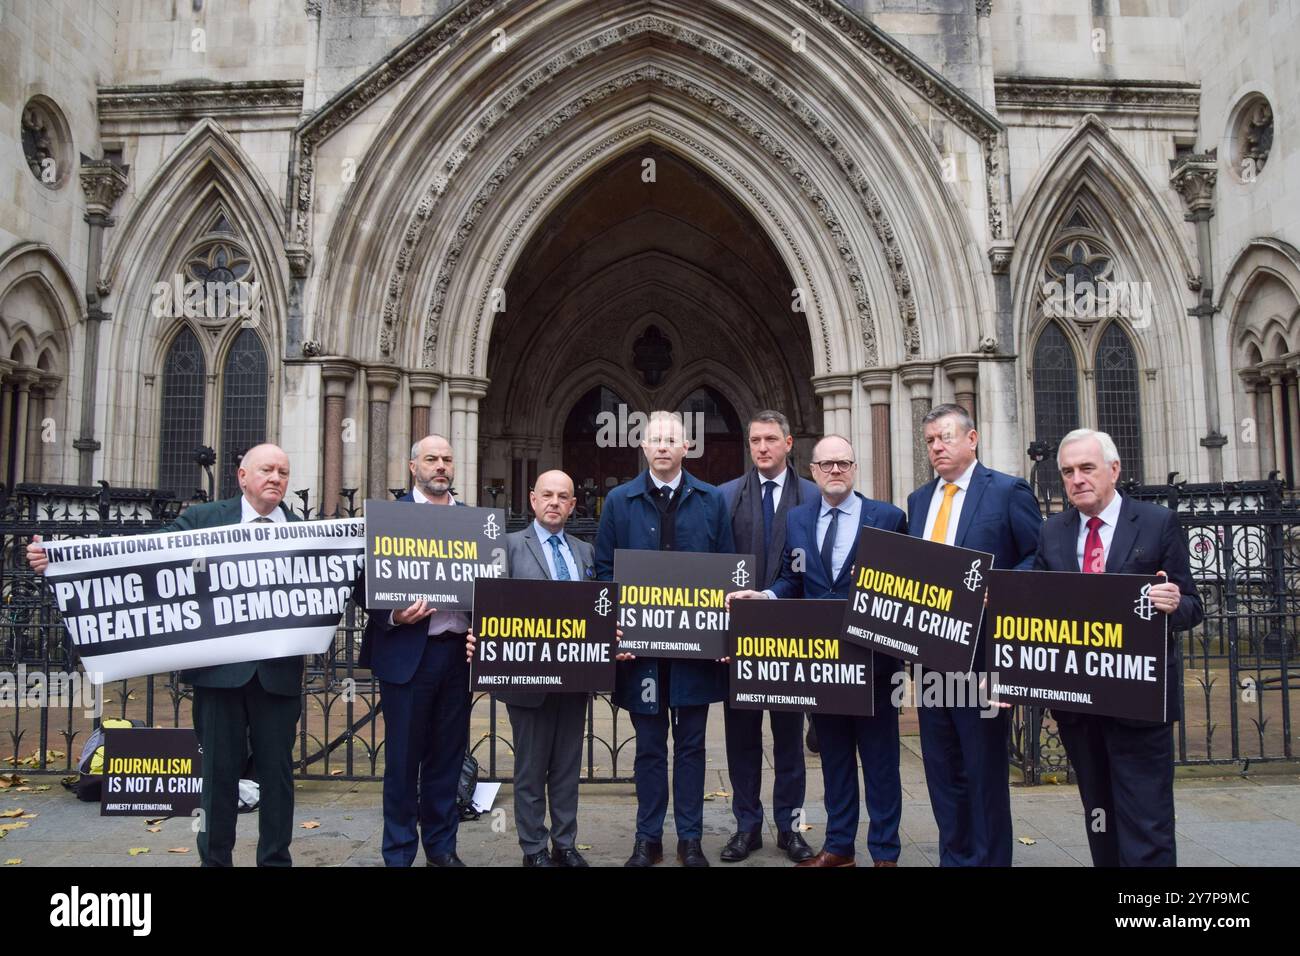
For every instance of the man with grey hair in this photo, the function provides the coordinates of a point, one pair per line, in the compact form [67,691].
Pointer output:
[966,752]
[250,703]
[1125,768]
[418,655]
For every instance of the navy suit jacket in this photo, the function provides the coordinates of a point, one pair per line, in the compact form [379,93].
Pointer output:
[1000,516]
[801,536]
[1147,539]
[392,652]
[630,519]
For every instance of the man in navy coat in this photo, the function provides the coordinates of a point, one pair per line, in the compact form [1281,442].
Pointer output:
[1125,768]
[965,751]
[666,509]
[418,654]
[758,502]
[822,539]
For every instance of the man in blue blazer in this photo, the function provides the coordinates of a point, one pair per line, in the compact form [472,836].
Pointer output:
[758,502]
[964,750]
[1125,768]
[666,509]
[822,539]
[249,703]
[418,654]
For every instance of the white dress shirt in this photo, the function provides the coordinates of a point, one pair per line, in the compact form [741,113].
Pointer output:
[776,492]
[847,527]
[1109,516]
[249,514]
[674,484]
[936,501]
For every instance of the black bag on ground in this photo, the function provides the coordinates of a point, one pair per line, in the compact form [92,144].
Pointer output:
[465,788]
[89,784]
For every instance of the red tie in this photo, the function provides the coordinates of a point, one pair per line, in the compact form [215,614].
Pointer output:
[1094,555]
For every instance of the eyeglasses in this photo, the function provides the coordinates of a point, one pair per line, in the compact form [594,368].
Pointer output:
[828,467]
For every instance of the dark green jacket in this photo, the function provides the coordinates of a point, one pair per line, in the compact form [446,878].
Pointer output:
[278,675]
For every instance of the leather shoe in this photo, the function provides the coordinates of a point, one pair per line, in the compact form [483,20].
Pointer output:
[540,858]
[740,846]
[828,859]
[880,863]
[795,846]
[646,853]
[568,857]
[690,853]
[445,859]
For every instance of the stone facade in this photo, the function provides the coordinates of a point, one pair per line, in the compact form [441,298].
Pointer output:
[464,216]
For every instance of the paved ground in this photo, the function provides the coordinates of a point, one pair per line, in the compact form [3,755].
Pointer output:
[1222,821]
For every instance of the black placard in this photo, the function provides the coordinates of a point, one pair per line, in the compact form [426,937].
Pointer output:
[1090,643]
[537,635]
[151,772]
[917,600]
[674,602]
[434,552]
[789,655]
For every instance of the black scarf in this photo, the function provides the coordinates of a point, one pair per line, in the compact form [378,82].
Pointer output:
[747,522]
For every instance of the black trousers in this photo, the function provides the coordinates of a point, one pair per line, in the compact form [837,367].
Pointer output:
[1126,783]
[226,720]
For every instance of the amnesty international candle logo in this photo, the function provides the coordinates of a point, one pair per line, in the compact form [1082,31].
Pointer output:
[539,635]
[151,772]
[429,552]
[788,655]
[674,603]
[917,600]
[740,577]
[1078,642]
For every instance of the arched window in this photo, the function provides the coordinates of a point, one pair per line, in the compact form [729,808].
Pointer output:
[182,415]
[243,406]
[1118,410]
[1056,397]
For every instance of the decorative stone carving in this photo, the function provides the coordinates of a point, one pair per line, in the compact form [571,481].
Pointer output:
[1059,94]
[103,182]
[1193,177]
[311,348]
[246,98]
[46,141]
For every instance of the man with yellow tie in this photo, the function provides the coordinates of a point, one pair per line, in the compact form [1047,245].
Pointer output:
[964,746]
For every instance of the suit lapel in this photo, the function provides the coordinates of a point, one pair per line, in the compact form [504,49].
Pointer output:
[534,547]
[1122,541]
[974,492]
[917,518]
[865,520]
[1068,542]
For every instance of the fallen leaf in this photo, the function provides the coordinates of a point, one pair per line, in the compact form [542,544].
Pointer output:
[6,827]
[179,849]
[137,850]
[40,789]
[154,822]
[347,817]
[311,825]
[71,779]
[131,696]
[24,789]
[13,861]
[9,780]
[584,846]
[804,827]
[1027,841]
[336,773]
[154,829]
[27,816]
[15,812]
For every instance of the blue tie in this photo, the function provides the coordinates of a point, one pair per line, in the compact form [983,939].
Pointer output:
[561,566]
[828,546]
[769,514]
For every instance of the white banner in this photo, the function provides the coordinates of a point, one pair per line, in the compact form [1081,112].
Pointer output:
[152,603]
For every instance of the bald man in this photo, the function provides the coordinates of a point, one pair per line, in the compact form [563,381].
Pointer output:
[548,728]
[255,702]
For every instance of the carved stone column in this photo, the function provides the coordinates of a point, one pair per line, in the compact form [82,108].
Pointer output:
[963,372]
[103,182]
[423,387]
[49,385]
[1274,371]
[24,378]
[1256,388]
[836,393]
[879,382]
[336,377]
[380,382]
[466,391]
[918,377]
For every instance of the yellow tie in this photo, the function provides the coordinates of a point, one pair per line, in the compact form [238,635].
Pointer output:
[940,530]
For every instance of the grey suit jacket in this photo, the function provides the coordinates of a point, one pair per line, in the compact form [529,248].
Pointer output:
[525,559]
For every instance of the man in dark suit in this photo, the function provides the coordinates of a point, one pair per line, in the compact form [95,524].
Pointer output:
[758,502]
[418,654]
[253,702]
[1125,768]
[547,728]
[822,539]
[964,750]
[666,509]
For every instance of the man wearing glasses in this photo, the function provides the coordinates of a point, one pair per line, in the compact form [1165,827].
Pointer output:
[964,749]
[820,544]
